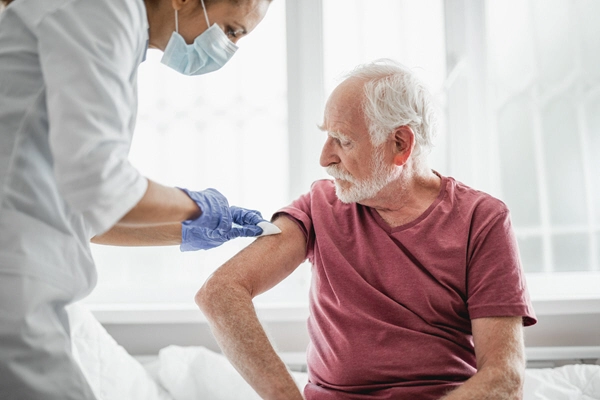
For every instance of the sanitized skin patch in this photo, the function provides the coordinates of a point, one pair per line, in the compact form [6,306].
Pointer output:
[268,228]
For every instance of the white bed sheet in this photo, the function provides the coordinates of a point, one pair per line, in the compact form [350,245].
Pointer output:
[186,373]
[112,373]
[570,382]
[191,373]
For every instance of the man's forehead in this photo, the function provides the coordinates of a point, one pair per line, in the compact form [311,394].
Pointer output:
[343,110]
[349,91]
[340,119]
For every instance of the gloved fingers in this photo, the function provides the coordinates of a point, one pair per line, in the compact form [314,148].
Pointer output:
[221,236]
[244,216]
[247,230]
[198,238]
[247,221]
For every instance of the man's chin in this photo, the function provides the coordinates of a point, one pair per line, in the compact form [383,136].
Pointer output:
[341,193]
[354,194]
[346,196]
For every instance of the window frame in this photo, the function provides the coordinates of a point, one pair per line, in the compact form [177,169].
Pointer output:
[306,90]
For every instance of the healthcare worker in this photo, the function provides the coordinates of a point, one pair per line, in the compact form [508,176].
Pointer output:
[68,102]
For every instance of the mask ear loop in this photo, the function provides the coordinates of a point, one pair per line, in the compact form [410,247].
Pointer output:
[176,22]
[205,14]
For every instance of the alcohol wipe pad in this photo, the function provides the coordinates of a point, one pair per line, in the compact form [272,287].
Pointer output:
[268,228]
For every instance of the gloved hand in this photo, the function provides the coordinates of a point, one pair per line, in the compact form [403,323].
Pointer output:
[218,222]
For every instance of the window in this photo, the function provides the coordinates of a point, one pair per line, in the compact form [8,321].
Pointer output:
[525,91]
[518,82]
[545,112]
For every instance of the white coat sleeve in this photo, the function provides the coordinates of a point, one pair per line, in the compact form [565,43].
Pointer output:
[89,53]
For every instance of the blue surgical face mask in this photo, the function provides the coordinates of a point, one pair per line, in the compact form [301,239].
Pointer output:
[209,52]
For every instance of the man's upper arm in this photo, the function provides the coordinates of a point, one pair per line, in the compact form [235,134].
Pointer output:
[499,342]
[267,261]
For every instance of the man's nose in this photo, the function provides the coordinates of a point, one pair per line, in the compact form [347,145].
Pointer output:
[328,154]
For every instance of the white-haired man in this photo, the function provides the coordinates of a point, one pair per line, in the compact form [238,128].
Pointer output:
[417,289]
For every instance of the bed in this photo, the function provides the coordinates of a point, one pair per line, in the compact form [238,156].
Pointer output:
[186,373]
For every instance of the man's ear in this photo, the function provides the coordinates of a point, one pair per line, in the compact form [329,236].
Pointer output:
[404,143]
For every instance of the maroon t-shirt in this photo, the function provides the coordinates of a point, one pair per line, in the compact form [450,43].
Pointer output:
[391,308]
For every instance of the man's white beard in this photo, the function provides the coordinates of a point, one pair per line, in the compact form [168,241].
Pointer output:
[365,189]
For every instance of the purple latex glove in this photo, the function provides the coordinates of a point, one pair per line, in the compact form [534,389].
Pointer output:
[218,223]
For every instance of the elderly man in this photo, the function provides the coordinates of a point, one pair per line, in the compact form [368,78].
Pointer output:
[417,289]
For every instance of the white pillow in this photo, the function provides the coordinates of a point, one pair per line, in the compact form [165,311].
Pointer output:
[112,373]
[196,373]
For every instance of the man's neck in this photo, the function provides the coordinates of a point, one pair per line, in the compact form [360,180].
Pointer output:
[405,199]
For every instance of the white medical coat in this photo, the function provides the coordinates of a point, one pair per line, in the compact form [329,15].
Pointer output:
[68,101]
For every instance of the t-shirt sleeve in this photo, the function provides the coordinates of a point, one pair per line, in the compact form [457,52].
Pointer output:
[89,52]
[496,285]
[300,212]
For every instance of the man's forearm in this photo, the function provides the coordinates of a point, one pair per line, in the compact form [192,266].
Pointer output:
[500,361]
[240,335]
[491,384]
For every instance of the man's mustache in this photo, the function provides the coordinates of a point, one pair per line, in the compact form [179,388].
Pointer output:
[338,173]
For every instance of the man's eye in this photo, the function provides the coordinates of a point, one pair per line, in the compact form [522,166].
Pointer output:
[344,143]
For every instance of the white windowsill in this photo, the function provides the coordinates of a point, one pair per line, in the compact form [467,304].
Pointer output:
[563,293]
[573,306]
[189,313]
[185,313]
